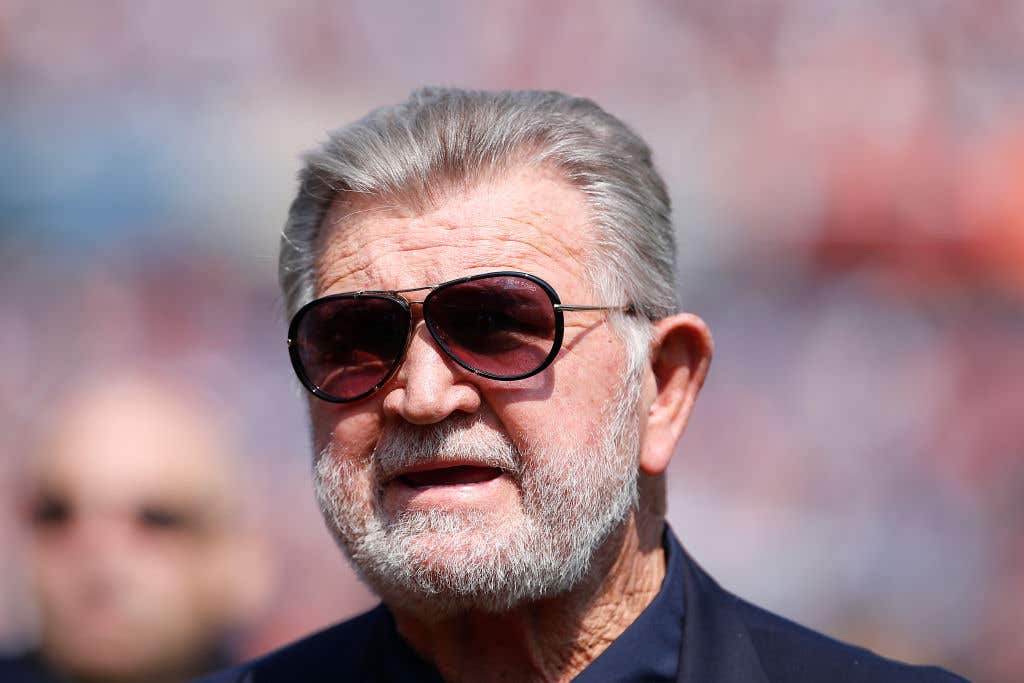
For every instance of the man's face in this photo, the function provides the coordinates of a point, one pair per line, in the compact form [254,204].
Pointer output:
[458,490]
[129,546]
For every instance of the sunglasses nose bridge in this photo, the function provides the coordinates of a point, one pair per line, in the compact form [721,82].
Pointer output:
[428,386]
[415,319]
[431,337]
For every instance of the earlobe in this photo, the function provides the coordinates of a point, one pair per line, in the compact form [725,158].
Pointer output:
[680,356]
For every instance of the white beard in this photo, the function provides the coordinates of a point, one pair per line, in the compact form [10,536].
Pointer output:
[438,562]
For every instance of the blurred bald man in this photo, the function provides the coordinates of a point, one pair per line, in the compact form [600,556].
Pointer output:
[137,554]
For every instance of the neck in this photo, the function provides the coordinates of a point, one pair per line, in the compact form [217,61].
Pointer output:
[553,639]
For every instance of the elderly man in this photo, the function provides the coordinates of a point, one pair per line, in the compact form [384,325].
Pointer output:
[483,311]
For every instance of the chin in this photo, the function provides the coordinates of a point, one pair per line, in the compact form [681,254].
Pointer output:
[435,574]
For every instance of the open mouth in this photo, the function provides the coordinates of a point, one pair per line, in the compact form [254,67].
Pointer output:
[458,475]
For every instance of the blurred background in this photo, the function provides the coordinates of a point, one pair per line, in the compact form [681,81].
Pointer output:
[848,181]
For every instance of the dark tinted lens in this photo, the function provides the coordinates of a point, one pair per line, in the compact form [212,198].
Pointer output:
[349,345]
[503,325]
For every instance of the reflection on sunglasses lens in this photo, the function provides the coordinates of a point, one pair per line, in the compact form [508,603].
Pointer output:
[502,325]
[349,345]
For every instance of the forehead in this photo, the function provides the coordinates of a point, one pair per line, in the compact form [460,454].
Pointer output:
[115,447]
[529,219]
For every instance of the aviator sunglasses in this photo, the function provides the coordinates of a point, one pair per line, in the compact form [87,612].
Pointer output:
[505,326]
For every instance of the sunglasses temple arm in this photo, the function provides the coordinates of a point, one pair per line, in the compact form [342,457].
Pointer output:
[569,307]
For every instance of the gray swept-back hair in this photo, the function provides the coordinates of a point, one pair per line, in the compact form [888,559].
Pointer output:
[440,139]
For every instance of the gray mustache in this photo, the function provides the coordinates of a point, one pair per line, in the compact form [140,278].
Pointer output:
[458,439]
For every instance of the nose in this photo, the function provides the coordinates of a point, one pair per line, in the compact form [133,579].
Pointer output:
[429,386]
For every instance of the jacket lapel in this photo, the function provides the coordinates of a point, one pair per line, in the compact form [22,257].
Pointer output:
[716,644]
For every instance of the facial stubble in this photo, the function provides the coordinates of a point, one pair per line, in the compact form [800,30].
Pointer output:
[437,562]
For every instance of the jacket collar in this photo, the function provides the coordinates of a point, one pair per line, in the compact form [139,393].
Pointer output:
[717,647]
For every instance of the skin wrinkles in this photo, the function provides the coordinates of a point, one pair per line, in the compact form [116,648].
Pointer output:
[538,223]
[624,594]
[395,248]
[519,234]
[370,265]
[609,607]
[362,261]
[377,243]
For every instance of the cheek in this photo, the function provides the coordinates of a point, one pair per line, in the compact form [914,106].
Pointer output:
[354,428]
[571,415]
[61,570]
[54,582]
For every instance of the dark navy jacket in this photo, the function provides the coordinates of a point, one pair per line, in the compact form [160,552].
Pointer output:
[725,640]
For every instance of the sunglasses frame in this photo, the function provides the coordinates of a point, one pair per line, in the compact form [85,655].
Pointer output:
[395,295]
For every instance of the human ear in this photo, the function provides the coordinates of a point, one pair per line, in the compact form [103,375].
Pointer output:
[681,353]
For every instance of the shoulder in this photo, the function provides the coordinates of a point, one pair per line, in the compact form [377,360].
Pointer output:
[726,638]
[24,668]
[335,653]
[791,652]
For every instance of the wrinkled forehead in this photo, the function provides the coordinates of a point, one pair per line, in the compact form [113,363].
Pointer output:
[530,219]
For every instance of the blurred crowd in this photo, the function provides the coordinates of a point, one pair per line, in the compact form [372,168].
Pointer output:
[848,181]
